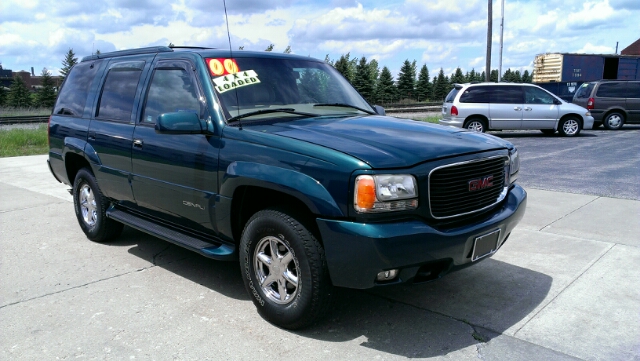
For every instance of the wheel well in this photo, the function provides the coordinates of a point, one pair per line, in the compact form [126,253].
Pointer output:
[73,163]
[621,111]
[247,200]
[571,115]
[480,116]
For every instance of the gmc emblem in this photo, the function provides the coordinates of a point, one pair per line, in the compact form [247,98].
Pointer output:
[482,183]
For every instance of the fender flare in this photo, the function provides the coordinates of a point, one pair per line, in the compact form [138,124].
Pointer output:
[299,185]
[82,148]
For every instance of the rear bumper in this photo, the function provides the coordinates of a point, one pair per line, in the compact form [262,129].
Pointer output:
[357,252]
[454,122]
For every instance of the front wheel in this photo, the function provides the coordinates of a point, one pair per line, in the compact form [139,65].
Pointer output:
[91,207]
[614,121]
[569,127]
[476,124]
[284,270]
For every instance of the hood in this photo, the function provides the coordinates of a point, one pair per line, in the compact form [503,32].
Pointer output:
[387,142]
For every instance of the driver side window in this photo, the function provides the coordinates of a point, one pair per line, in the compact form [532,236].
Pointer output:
[171,90]
[537,96]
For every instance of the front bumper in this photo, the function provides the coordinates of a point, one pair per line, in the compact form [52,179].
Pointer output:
[587,122]
[453,121]
[357,252]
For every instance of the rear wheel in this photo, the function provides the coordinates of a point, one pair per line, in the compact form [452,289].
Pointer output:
[284,270]
[91,206]
[569,126]
[614,120]
[476,124]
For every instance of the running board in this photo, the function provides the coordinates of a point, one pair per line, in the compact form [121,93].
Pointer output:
[212,249]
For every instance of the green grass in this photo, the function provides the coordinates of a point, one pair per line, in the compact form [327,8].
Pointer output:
[432,119]
[14,112]
[17,142]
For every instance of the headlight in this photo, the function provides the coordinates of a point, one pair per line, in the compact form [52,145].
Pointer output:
[384,193]
[514,166]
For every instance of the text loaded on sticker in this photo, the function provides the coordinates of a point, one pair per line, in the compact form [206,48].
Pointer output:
[237,80]
[222,66]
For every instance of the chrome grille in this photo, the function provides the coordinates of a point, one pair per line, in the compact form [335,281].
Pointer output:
[463,188]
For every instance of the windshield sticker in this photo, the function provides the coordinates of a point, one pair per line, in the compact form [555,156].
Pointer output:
[222,66]
[236,80]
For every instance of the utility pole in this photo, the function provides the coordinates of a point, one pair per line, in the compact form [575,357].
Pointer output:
[501,37]
[487,72]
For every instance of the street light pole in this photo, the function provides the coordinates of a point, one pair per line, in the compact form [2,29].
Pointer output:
[487,73]
[501,34]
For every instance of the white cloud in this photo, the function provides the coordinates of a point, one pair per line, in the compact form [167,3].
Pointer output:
[589,48]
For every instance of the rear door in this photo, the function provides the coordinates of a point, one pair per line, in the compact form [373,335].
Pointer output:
[633,102]
[610,95]
[174,177]
[539,111]
[506,107]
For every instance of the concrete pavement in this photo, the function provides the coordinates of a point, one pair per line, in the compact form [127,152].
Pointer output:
[565,286]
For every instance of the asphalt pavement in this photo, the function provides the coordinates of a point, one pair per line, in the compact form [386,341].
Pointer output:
[563,287]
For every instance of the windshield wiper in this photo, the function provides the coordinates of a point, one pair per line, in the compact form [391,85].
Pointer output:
[267,111]
[343,105]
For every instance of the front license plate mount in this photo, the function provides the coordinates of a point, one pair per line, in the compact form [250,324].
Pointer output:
[485,245]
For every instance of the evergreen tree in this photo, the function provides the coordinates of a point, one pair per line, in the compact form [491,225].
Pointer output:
[473,76]
[343,65]
[374,69]
[458,77]
[328,60]
[287,50]
[386,90]
[423,86]
[67,63]
[493,76]
[3,96]
[407,81]
[46,95]
[507,76]
[241,47]
[526,78]
[517,78]
[483,76]
[269,48]
[362,80]
[441,86]
[19,95]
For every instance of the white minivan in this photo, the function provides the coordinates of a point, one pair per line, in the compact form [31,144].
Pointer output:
[503,106]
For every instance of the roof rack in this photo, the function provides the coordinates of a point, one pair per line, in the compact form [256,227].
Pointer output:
[188,47]
[148,50]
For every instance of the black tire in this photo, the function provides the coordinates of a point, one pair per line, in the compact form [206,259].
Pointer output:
[90,206]
[569,126]
[596,125]
[613,120]
[548,131]
[281,301]
[476,124]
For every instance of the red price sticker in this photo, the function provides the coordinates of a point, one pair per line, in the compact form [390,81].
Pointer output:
[222,66]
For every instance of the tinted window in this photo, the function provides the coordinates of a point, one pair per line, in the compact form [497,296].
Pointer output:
[171,90]
[73,95]
[475,94]
[585,90]
[118,93]
[452,95]
[633,90]
[537,96]
[612,90]
[505,94]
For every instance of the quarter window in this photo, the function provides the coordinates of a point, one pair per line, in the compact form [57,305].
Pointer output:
[73,95]
[118,93]
[171,90]
[475,94]
[634,90]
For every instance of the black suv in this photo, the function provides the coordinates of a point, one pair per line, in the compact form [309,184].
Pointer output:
[275,161]
[611,102]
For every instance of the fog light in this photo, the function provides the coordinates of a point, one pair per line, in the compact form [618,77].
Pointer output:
[387,275]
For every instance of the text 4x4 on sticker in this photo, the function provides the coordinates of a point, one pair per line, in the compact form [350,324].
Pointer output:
[236,80]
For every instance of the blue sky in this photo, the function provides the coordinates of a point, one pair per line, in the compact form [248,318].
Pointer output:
[438,33]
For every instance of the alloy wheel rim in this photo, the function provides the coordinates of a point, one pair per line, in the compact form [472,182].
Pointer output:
[276,269]
[476,126]
[88,206]
[570,127]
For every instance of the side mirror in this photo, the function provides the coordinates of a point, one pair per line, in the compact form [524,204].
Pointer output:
[178,123]
[379,110]
[557,102]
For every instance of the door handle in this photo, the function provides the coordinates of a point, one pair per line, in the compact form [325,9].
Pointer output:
[137,143]
[527,109]
[517,109]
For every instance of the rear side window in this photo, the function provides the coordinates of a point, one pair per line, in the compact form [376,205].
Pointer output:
[633,90]
[612,90]
[505,94]
[585,90]
[73,95]
[118,94]
[172,89]
[475,94]
[452,95]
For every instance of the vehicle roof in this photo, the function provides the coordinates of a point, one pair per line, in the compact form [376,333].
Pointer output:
[202,51]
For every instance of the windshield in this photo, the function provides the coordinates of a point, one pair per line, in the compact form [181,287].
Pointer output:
[247,86]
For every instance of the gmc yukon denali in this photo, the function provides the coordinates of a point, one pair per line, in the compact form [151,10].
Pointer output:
[275,161]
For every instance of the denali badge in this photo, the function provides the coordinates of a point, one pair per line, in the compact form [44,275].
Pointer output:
[482,183]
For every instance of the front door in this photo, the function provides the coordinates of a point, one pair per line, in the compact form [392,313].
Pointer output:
[540,111]
[174,177]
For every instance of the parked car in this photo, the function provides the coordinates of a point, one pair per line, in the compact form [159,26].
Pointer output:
[502,106]
[274,160]
[611,102]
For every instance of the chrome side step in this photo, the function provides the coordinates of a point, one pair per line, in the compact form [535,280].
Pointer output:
[208,248]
